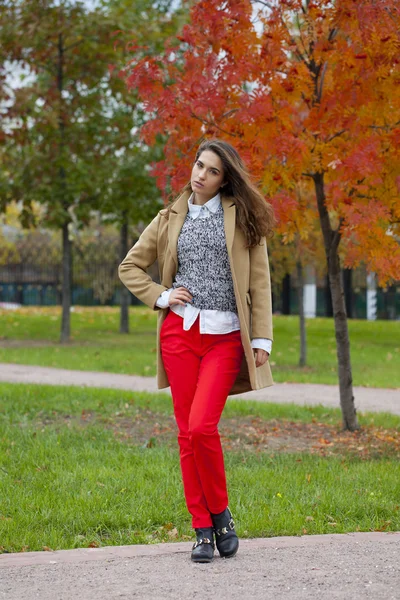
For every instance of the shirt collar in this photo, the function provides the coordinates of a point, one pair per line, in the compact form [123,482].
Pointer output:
[212,205]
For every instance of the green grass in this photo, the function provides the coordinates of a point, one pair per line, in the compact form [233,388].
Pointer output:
[68,478]
[30,336]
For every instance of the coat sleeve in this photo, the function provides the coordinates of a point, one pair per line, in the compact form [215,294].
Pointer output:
[132,270]
[260,290]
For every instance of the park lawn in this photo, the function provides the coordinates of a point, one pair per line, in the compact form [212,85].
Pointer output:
[30,336]
[90,468]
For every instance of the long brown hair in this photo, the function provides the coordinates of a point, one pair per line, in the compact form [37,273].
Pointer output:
[254,214]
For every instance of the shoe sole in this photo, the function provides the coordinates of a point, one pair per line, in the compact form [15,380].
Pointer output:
[228,555]
[202,560]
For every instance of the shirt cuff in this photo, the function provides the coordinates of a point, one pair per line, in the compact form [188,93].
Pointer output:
[163,299]
[263,343]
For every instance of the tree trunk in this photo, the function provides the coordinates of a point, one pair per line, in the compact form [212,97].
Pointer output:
[66,284]
[348,291]
[303,340]
[66,243]
[125,296]
[328,299]
[286,295]
[331,243]
[371,297]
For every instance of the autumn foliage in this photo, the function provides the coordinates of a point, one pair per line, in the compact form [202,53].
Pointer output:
[309,93]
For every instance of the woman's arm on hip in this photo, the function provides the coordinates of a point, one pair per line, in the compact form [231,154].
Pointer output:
[132,270]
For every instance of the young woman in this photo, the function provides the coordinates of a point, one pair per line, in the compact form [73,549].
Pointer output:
[214,331]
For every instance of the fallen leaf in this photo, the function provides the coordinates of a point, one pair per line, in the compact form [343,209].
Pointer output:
[173,533]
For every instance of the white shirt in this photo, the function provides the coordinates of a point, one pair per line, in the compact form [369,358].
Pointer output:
[211,321]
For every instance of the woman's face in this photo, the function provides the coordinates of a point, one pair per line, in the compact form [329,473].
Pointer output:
[207,176]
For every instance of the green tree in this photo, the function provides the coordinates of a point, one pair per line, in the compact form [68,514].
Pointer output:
[70,123]
[56,120]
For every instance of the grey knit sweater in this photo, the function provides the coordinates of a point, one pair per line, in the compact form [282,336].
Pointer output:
[203,263]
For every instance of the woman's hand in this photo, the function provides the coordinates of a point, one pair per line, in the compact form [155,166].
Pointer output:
[261,356]
[180,295]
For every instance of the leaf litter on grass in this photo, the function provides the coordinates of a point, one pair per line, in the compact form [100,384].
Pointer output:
[147,429]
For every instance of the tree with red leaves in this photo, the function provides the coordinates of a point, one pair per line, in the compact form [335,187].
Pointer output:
[308,92]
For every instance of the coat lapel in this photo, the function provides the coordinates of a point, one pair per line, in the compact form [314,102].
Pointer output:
[177,218]
[175,222]
[228,205]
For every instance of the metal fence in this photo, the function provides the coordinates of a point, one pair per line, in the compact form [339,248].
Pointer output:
[31,274]
[387,301]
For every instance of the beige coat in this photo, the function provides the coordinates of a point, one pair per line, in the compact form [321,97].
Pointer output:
[251,280]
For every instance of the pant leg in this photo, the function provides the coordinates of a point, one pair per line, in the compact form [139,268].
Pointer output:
[181,360]
[220,364]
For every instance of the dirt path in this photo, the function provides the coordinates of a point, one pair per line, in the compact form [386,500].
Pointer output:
[367,399]
[357,565]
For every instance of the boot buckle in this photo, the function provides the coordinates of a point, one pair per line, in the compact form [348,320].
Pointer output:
[200,542]
[224,530]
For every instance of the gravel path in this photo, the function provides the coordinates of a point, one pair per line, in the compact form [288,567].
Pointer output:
[342,566]
[366,399]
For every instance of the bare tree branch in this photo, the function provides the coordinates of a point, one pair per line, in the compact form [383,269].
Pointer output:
[212,124]
[264,3]
[337,134]
[337,236]
[321,80]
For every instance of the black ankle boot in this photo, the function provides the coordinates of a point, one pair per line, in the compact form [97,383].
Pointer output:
[203,548]
[225,534]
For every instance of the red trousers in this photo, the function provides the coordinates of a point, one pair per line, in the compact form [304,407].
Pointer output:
[201,369]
